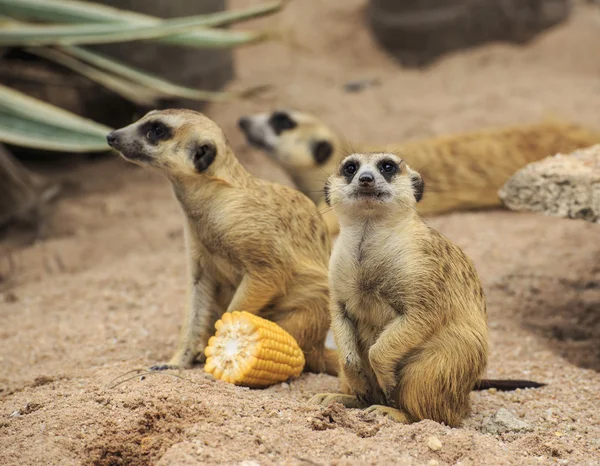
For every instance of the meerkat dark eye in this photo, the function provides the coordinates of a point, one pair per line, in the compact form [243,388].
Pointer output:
[349,169]
[281,122]
[388,169]
[155,131]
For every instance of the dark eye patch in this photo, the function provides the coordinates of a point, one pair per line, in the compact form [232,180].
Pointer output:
[280,122]
[155,131]
[322,151]
[388,168]
[349,169]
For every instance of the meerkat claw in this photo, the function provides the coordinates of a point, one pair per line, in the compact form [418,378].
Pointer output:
[391,413]
[325,399]
[163,367]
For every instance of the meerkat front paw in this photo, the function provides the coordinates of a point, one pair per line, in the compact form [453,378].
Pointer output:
[181,361]
[386,378]
[348,401]
[390,413]
[163,367]
[356,378]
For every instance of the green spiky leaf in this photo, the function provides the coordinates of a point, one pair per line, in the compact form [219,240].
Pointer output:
[26,35]
[161,87]
[26,132]
[70,11]
[22,105]
[101,22]
[128,90]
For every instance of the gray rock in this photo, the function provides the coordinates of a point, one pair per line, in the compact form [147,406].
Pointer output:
[562,186]
[504,421]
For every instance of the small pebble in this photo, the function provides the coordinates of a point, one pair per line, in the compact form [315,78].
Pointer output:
[360,85]
[434,444]
[504,421]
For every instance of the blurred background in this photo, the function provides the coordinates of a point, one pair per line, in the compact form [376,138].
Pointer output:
[378,70]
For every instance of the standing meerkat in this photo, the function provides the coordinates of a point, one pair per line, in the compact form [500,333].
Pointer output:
[463,171]
[252,245]
[408,309]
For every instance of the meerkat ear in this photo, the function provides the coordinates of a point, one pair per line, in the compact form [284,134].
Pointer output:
[418,185]
[326,190]
[321,151]
[203,155]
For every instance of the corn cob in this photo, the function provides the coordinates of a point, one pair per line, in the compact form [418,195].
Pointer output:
[251,351]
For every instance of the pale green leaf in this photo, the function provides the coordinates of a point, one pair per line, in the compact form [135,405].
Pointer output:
[161,87]
[25,132]
[21,34]
[134,92]
[17,103]
[70,11]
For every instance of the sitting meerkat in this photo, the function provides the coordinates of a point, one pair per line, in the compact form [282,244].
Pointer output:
[408,309]
[463,171]
[252,245]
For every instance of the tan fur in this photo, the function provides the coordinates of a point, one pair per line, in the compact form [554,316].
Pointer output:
[408,309]
[252,245]
[463,171]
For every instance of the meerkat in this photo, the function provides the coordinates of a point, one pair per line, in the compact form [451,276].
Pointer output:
[463,171]
[251,245]
[408,309]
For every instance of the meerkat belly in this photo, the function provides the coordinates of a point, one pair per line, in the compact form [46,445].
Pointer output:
[362,284]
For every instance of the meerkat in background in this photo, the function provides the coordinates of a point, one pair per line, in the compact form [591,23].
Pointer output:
[252,245]
[408,309]
[463,171]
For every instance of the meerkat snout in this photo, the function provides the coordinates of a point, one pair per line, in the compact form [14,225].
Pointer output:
[244,124]
[111,139]
[366,180]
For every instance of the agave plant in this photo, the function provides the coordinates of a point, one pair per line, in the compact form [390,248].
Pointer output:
[58,30]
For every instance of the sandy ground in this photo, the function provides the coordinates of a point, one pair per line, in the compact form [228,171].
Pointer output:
[101,291]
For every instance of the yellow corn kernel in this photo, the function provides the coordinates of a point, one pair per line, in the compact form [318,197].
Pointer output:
[251,351]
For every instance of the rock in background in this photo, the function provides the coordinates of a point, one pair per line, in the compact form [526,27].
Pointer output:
[562,185]
[417,32]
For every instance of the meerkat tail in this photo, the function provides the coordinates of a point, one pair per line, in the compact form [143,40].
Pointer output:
[323,361]
[506,385]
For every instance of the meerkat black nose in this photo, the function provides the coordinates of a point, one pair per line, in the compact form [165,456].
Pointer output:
[366,179]
[111,138]
[244,123]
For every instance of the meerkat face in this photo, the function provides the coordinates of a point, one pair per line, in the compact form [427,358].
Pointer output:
[296,140]
[373,183]
[178,141]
